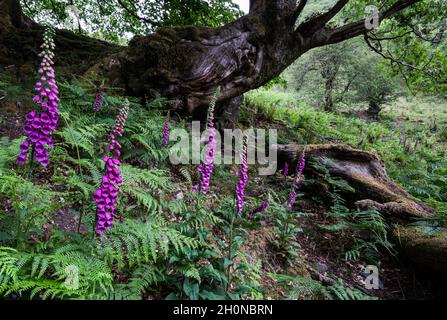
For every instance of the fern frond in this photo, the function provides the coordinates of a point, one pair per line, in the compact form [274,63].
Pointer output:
[135,243]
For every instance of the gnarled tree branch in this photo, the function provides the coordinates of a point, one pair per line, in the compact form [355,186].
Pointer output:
[320,21]
[357,28]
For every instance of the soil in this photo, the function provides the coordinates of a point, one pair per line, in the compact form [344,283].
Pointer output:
[397,281]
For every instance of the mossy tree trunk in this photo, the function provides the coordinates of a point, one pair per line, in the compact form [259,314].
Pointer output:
[187,64]
[329,87]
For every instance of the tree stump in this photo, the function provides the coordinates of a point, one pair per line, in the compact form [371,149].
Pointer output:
[366,173]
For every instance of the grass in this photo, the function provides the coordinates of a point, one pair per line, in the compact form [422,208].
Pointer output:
[417,109]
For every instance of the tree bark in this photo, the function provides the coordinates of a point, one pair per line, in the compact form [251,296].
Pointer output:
[21,38]
[373,188]
[187,64]
[11,14]
[329,76]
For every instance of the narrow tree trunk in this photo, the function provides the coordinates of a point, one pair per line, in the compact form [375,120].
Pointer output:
[329,71]
[374,109]
[328,102]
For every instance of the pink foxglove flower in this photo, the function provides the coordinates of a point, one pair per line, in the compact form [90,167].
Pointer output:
[41,123]
[243,179]
[106,196]
[206,169]
[298,176]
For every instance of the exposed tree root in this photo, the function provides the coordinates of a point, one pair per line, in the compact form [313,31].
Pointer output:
[366,173]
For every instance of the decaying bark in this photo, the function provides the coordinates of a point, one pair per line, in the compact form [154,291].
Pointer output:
[373,188]
[426,248]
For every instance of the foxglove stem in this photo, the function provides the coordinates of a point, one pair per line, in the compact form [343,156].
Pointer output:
[206,169]
[297,182]
[243,178]
[230,251]
[106,196]
[41,123]
[166,131]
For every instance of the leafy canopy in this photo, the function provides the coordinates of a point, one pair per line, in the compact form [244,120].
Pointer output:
[118,20]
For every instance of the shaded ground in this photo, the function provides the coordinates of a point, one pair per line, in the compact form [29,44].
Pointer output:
[10,125]
[397,281]
[319,259]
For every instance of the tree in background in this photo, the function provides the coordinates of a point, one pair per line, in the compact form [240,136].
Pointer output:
[373,84]
[348,72]
[327,68]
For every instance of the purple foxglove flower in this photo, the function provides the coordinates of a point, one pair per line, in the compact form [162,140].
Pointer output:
[21,158]
[41,124]
[31,116]
[98,99]
[300,168]
[106,196]
[24,146]
[298,176]
[243,179]
[285,171]
[292,198]
[206,168]
[260,209]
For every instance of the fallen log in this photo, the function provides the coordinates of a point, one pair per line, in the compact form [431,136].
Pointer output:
[366,174]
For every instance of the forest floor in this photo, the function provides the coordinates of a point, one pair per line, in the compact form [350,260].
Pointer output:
[320,252]
[319,257]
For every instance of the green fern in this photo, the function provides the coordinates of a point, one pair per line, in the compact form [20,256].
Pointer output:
[46,274]
[142,279]
[146,186]
[135,243]
[306,288]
